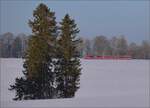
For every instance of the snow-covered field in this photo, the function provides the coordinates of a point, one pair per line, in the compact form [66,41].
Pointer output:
[104,83]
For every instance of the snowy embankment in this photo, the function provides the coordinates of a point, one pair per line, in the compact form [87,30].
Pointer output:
[104,83]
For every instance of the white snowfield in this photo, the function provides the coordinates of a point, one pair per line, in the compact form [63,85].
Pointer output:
[104,83]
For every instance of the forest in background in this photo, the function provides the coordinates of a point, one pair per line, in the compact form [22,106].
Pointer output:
[12,46]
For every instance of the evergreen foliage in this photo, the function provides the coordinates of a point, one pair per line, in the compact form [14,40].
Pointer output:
[51,66]
[69,71]
[38,65]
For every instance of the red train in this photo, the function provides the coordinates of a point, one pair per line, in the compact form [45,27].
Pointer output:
[126,57]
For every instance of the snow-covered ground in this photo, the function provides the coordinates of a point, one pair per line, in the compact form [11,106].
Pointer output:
[104,83]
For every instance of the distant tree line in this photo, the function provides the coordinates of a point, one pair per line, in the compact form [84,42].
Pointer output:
[115,46]
[15,46]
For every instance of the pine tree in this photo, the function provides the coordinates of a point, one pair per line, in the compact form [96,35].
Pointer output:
[38,80]
[69,64]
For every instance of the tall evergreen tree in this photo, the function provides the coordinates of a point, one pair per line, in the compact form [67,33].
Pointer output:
[39,63]
[69,64]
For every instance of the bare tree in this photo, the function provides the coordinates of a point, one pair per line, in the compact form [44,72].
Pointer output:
[122,46]
[87,46]
[134,50]
[80,46]
[6,42]
[145,49]
[101,45]
[113,45]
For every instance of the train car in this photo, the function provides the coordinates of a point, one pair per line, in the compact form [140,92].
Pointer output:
[126,57]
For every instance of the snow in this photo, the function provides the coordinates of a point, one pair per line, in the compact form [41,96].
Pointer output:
[104,83]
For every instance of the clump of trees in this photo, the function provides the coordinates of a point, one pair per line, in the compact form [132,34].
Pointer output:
[52,64]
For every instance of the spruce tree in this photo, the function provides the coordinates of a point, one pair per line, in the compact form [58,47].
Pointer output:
[38,79]
[69,63]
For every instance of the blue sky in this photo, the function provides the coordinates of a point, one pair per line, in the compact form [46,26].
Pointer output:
[108,18]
